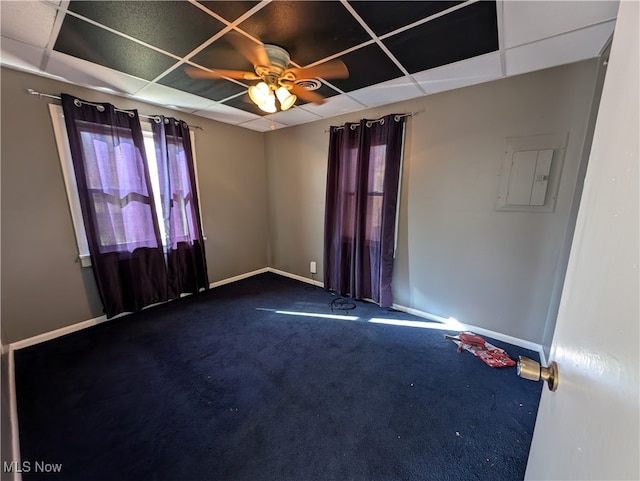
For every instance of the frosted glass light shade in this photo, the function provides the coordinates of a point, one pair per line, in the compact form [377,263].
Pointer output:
[259,93]
[269,104]
[285,98]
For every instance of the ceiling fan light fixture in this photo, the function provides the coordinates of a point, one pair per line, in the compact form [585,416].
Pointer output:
[269,104]
[286,98]
[276,77]
[260,94]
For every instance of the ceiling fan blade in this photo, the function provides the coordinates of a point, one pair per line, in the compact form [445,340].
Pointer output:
[252,51]
[219,73]
[328,70]
[308,95]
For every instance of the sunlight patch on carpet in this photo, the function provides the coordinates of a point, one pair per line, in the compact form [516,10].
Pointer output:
[450,324]
[312,314]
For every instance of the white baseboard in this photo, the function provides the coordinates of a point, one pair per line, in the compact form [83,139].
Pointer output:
[432,317]
[13,414]
[296,277]
[47,336]
[509,339]
[478,330]
[98,320]
[417,312]
[426,315]
[229,280]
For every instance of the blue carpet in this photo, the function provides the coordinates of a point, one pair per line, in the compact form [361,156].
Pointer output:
[220,386]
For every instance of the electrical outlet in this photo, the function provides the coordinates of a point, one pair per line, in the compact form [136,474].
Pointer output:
[312,267]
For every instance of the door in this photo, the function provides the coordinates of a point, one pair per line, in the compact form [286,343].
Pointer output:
[589,427]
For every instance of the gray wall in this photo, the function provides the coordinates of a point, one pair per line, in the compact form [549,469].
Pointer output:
[43,286]
[457,256]
[262,199]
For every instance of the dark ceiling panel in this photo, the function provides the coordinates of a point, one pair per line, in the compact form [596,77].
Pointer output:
[309,30]
[175,26]
[323,90]
[387,16]
[243,102]
[230,11]
[214,89]
[465,33]
[367,66]
[222,55]
[97,45]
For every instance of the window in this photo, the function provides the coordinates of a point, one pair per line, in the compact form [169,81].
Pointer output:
[363,186]
[375,192]
[113,240]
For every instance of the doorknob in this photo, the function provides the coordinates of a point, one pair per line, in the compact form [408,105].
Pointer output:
[530,369]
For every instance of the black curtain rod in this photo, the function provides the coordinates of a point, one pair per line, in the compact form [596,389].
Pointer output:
[369,122]
[57,97]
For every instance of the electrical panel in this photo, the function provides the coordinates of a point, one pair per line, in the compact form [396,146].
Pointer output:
[530,174]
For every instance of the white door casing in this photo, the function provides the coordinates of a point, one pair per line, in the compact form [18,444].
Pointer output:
[589,428]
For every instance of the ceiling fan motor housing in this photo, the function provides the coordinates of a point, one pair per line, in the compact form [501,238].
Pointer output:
[274,74]
[278,57]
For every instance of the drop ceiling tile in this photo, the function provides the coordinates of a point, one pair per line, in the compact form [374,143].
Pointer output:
[337,105]
[167,96]
[243,102]
[562,49]
[222,55]
[465,33]
[161,24]
[28,22]
[528,21]
[21,55]
[483,68]
[224,113]
[367,66]
[309,30]
[263,125]
[94,44]
[387,16]
[293,116]
[81,72]
[214,89]
[388,92]
[230,11]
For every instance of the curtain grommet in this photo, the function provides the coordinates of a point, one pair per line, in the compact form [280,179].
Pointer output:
[100,108]
[157,119]
[77,102]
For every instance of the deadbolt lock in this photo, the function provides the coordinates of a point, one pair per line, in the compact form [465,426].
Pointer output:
[530,369]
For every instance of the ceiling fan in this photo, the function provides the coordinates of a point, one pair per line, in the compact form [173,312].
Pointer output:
[277,79]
